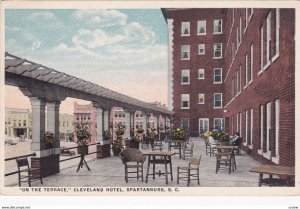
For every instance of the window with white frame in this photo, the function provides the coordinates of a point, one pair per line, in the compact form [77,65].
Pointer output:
[185,28]
[201,27]
[277,119]
[218,26]
[217,75]
[251,64]
[240,80]
[237,122]
[240,29]
[268,41]
[201,49]
[277,27]
[232,88]
[201,99]
[261,129]
[240,131]
[185,52]
[217,100]
[237,82]
[237,38]
[246,128]
[218,50]
[251,128]
[250,13]
[219,123]
[232,50]
[246,70]
[261,48]
[246,19]
[268,130]
[185,101]
[201,73]
[185,77]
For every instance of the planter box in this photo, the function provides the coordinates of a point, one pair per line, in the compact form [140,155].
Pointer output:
[103,150]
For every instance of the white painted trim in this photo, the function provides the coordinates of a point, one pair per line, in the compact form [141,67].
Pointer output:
[276,160]
[260,152]
[267,155]
[250,146]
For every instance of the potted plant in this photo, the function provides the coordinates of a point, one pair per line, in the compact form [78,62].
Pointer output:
[106,135]
[82,135]
[179,134]
[117,144]
[152,136]
[50,141]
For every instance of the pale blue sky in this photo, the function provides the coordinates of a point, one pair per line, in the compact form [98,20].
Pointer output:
[124,50]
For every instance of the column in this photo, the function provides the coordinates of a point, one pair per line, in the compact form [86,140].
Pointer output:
[127,125]
[53,120]
[99,121]
[38,123]
[144,124]
[155,122]
[165,124]
[106,120]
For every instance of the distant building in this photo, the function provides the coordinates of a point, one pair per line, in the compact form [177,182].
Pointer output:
[66,126]
[18,122]
[85,114]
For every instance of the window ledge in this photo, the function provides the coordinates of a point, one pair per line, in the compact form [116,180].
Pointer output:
[201,34]
[201,78]
[250,146]
[217,57]
[266,66]
[218,107]
[201,103]
[267,155]
[260,152]
[260,72]
[250,82]
[185,35]
[216,33]
[245,144]
[201,53]
[217,82]
[185,108]
[185,84]
[275,57]
[245,86]
[185,58]
[275,160]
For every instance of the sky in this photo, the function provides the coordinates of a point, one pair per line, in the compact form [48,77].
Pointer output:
[123,50]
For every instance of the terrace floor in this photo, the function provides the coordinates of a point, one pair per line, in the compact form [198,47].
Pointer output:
[109,172]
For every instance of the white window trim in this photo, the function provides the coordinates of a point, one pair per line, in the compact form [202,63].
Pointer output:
[237,39]
[189,52]
[221,101]
[267,154]
[199,98]
[181,102]
[214,51]
[189,28]
[251,64]
[240,131]
[204,119]
[237,122]
[218,82]
[246,128]
[189,77]
[251,15]
[240,74]
[260,151]
[237,83]
[222,123]
[221,27]
[275,159]
[277,34]
[261,50]
[240,30]
[246,19]
[199,49]
[198,27]
[251,129]
[268,39]
[199,74]
[246,71]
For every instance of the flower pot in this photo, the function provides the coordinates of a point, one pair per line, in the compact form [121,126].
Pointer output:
[134,144]
[116,152]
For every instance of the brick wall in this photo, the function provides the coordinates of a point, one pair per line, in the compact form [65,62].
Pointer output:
[48,165]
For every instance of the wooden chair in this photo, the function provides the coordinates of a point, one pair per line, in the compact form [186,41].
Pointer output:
[225,159]
[208,149]
[157,145]
[189,173]
[133,159]
[27,174]
[188,150]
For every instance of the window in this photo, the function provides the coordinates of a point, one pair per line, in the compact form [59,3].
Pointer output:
[185,52]
[218,75]
[217,100]
[240,29]
[237,38]
[185,77]
[237,82]
[240,81]
[237,122]
[185,29]
[24,122]
[246,70]
[268,120]
[251,64]
[250,13]
[277,118]
[218,123]
[202,27]
[261,48]
[185,101]
[218,50]
[261,129]
[232,88]
[185,123]
[240,124]
[251,128]
[268,39]
[277,26]
[246,128]
[201,73]
[203,125]
[232,50]
[201,99]
[218,26]
[201,49]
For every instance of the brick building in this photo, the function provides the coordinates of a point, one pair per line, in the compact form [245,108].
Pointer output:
[235,69]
